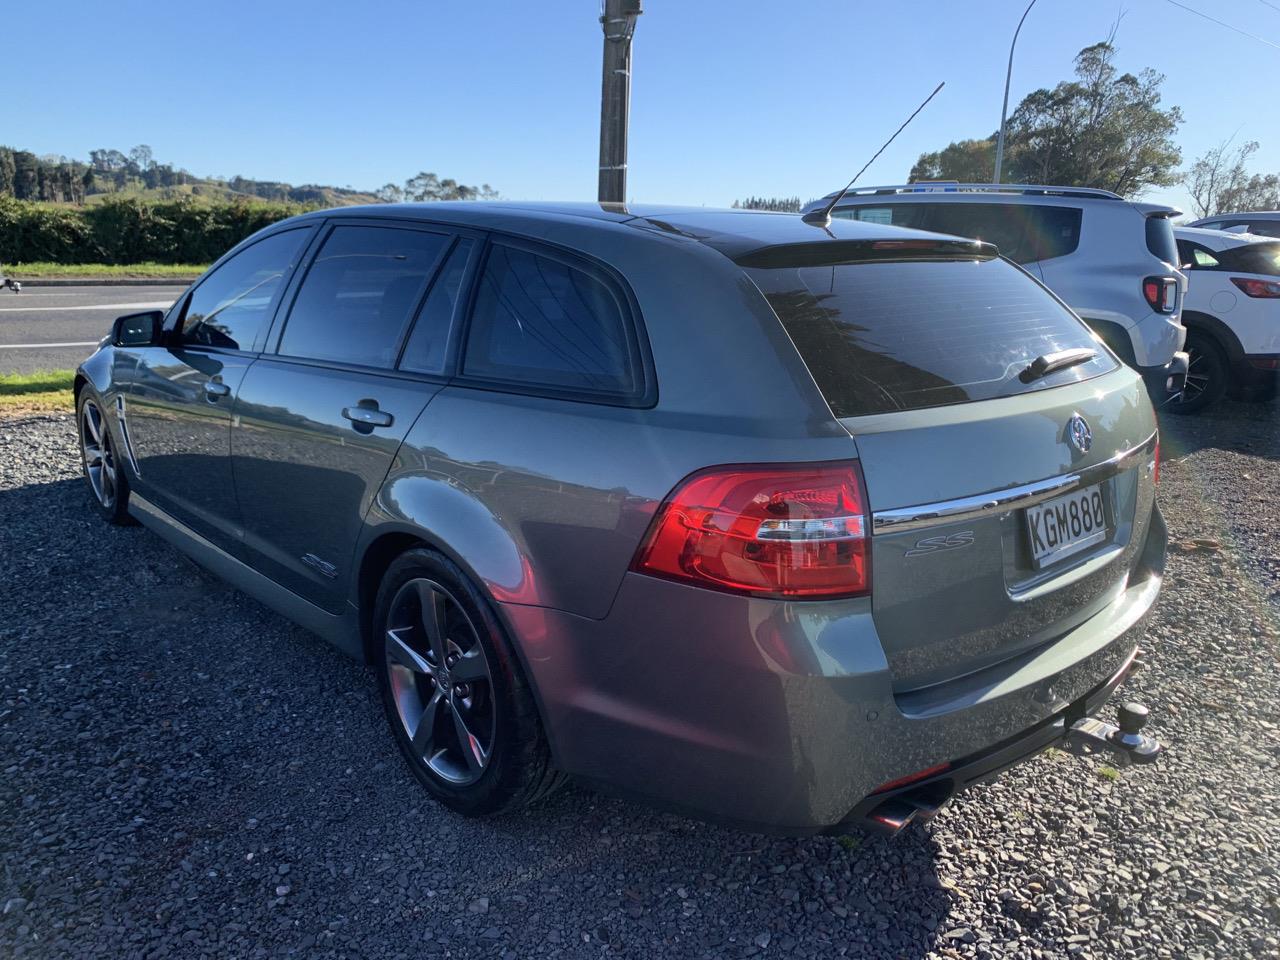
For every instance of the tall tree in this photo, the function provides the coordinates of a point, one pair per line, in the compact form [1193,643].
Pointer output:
[969,161]
[1220,183]
[1103,129]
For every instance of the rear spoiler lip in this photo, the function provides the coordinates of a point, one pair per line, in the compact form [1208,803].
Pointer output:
[1150,210]
[825,253]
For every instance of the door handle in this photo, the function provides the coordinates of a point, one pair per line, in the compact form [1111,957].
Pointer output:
[213,389]
[370,417]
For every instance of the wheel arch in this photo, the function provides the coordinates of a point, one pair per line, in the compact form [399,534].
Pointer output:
[394,540]
[1222,334]
[1116,338]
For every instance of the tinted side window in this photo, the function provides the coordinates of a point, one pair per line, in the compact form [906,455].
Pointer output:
[1023,232]
[359,293]
[1195,256]
[425,351]
[235,301]
[1160,239]
[538,320]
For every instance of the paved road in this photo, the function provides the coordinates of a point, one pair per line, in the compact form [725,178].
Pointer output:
[54,328]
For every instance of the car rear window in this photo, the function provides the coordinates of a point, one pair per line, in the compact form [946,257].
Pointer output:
[1024,232]
[880,337]
[1263,258]
[1160,240]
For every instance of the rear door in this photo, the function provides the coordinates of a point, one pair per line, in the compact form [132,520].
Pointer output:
[178,411]
[318,421]
[929,366]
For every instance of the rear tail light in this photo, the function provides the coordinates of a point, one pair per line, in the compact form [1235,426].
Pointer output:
[789,531]
[1262,289]
[1161,293]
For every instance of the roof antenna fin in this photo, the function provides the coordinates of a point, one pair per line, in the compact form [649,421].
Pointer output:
[821,217]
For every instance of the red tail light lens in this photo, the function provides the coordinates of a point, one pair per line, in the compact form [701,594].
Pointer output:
[770,531]
[1161,293]
[1262,289]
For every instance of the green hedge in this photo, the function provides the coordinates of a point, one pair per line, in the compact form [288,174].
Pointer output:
[128,230]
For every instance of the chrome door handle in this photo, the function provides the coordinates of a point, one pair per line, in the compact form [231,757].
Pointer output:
[368,416]
[214,389]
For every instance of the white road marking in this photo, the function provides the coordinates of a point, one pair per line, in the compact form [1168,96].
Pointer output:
[150,305]
[41,346]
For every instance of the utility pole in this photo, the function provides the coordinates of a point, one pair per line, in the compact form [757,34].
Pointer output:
[1004,109]
[618,17]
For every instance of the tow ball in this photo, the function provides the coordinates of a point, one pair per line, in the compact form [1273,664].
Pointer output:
[1124,740]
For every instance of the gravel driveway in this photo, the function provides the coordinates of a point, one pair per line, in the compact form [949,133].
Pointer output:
[187,775]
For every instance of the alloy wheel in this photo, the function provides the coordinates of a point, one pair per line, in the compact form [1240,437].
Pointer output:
[99,457]
[440,681]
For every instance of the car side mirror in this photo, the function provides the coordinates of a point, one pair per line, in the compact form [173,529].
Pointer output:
[138,329]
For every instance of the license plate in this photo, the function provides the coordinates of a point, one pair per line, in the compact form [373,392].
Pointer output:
[1067,524]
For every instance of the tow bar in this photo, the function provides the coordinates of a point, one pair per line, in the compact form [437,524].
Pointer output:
[1125,742]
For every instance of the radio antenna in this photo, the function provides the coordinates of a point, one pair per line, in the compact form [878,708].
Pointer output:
[821,217]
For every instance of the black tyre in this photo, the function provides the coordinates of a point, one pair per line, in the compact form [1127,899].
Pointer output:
[1207,375]
[455,695]
[103,471]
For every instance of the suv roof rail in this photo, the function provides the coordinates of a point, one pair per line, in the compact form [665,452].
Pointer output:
[951,186]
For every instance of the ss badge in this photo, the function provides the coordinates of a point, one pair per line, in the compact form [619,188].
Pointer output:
[951,541]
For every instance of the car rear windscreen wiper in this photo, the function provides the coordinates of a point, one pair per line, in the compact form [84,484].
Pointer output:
[1049,362]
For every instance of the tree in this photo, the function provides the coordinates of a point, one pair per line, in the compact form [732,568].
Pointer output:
[774,204]
[1219,183]
[140,159]
[969,161]
[1103,129]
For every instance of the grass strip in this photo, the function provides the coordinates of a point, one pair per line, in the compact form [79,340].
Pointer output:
[42,271]
[44,391]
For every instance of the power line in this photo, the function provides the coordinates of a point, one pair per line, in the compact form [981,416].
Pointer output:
[1222,24]
[1270,4]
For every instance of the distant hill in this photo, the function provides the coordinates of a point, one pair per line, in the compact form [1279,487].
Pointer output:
[110,173]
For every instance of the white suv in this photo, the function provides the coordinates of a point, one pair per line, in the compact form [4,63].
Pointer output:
[1232,315]
[1113,261]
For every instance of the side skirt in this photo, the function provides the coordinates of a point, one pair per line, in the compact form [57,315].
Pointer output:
[341,630]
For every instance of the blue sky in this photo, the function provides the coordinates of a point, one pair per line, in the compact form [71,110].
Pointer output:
[787,97]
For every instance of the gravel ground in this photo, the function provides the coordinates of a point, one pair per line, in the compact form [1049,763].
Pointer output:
[187,775]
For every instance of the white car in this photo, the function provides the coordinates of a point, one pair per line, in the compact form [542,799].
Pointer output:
[1264,223]
[1111,260]
[1232,315]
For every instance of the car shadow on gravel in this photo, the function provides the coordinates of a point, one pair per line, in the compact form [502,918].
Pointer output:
[187,773]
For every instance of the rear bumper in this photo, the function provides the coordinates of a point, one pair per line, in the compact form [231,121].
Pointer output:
[1166,380]
[783,716]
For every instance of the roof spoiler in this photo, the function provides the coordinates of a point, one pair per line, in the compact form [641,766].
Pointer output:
[826,253]
[1157,210]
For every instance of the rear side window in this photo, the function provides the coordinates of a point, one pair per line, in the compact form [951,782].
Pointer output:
[359,294]
[889,336]
[1160,240]
[541,321]
[1195,256]
[234,302]
[1023,232]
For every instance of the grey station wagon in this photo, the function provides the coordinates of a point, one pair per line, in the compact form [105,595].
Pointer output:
[791,526]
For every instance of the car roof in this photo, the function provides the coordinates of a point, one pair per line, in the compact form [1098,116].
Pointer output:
[1219,239]
[733,232]
[1247,215]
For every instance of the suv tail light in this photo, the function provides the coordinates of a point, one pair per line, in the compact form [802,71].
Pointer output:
[1262,289]
[1161,293]
[789,531]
